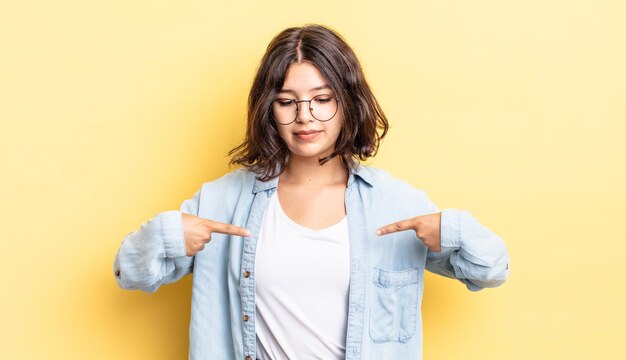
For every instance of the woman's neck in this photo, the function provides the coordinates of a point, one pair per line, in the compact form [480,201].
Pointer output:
[308,172]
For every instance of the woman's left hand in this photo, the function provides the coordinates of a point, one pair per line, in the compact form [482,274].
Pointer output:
[426,227]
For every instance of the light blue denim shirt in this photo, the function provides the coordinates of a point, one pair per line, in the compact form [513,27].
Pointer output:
[386,272]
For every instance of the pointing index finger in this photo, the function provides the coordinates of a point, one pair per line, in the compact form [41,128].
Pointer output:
[228,229]
[395,227]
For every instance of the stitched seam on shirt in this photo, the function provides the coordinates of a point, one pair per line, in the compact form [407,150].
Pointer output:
[165,252]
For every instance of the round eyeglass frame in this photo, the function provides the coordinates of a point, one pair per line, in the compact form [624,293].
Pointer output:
[310,109]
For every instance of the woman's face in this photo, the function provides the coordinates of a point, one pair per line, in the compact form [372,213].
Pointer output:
[304,81]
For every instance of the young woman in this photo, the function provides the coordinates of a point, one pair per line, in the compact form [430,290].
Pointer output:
[301,253]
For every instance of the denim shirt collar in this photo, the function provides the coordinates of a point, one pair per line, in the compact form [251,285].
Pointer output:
[360,171]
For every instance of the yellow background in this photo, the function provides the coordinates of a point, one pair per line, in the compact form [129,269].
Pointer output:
[113,111]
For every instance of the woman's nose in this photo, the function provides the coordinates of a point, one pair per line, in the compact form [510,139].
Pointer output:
[304,112]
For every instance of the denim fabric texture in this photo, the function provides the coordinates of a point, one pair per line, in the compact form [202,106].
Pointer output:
[386,272]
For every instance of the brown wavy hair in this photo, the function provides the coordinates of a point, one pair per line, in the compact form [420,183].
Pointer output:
[364,123]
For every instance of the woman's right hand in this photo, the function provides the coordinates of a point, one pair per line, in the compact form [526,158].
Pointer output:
[198,232]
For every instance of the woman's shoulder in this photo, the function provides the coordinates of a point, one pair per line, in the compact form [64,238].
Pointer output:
[385,181]
[376,176]
[237,180]
[390,188]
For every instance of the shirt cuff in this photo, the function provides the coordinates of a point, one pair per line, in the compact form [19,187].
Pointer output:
[173,234]
[450,229]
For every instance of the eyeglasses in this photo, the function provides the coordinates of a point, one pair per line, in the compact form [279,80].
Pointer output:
[323,107]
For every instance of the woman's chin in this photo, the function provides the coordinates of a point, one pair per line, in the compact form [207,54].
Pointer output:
[308,154]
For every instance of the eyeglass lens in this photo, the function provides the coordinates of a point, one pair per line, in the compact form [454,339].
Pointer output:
[322,107]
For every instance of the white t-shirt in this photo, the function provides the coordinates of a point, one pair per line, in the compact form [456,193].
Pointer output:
[302,283]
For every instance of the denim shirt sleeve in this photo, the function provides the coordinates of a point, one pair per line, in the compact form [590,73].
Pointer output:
[470,252]
[155,254]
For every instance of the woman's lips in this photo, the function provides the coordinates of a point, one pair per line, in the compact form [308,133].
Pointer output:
[309,135]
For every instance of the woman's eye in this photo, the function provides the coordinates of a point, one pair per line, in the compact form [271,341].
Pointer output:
[285,102]
[323,100]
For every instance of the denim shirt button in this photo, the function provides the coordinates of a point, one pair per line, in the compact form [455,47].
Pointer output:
[248,357]
[246,318]
[117,272]
[246,274]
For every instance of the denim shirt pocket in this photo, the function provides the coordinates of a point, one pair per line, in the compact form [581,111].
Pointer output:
[393,313]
